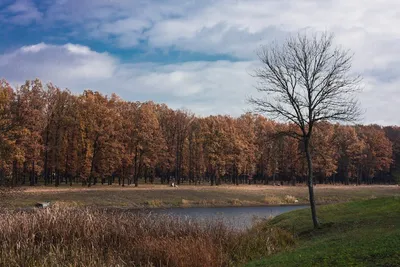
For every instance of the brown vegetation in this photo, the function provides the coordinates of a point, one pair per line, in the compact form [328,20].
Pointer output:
[51,136]
[187,196]
[65,236]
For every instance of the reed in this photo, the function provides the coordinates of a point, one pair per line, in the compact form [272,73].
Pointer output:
[77,236]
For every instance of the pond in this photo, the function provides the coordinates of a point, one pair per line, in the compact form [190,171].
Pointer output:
[237,217]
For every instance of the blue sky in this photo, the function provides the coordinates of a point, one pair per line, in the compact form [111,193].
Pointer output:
[192,54]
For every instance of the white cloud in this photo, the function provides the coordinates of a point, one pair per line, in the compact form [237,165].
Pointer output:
[21,12]
[78,49]
[204,87]
[219,87]
[234,27]
[34,48]
[231,27]
[237,28]
[56,63]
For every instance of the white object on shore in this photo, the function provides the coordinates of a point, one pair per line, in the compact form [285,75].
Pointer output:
[42,205]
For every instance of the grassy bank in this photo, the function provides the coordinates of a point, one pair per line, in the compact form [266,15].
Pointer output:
[361,233]
[65,236]
[187,196]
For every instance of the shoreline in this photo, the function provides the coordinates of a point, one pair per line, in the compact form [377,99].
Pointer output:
[206,207]
[159,197]
[170,207]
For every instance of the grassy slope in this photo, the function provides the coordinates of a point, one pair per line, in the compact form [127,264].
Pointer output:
[361,233]
[164,196]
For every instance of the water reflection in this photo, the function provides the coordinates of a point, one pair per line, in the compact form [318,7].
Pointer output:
[236,217]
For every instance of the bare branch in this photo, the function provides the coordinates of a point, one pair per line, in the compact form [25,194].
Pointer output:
[305,80]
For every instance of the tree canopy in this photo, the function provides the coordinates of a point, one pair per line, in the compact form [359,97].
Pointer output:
[49,135]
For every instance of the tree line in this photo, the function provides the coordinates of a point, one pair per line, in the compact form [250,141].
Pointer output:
[49,135]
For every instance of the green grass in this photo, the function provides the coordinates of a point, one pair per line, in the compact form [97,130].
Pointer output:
[360,233]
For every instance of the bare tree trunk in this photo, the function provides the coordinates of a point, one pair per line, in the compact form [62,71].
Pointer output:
[123,176]
[139,169]
[24,173]
[15,174]
[93,162]
[32,182]
[46,157]
[135,174]
[57,177]
[311,183]
[66,172]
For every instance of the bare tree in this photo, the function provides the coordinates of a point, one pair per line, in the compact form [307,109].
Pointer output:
[306,80]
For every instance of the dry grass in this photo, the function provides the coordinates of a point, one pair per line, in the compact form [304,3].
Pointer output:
[236,202]
[154,203]
[186,203]
[73,236]
[272,200]
[290,199]
[186,196]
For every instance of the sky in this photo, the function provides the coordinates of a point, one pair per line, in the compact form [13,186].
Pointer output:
[192,54]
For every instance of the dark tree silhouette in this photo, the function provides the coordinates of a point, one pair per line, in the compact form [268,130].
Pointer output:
[304,81]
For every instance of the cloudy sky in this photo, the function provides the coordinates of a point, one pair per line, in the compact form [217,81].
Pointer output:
[192,54]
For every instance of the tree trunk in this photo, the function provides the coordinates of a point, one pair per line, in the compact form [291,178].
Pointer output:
[310,182]
[294,180]
[46,158]
[57,177]
[15,174]
[93,161]
[212,177]
[32,182]
[66,172]
[273,178]
[177,160]
[135,173]
[139,169]
[33,178]
[123,178]
[24,173]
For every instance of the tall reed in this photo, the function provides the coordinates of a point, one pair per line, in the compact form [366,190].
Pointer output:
[73,236]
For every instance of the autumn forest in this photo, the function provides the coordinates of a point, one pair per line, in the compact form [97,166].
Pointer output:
[49,135]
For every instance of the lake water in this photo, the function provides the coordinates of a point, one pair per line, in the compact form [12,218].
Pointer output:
[237,217]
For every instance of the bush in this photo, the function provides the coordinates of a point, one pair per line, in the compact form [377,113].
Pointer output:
[290,199]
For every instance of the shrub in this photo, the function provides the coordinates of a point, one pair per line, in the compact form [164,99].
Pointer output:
[272,200]
[290,199]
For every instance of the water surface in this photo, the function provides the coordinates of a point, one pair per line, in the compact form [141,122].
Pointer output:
[237,217]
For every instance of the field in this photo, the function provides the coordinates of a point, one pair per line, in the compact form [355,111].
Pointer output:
[77,231]
[361,233]
[357,233]
[186,196]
